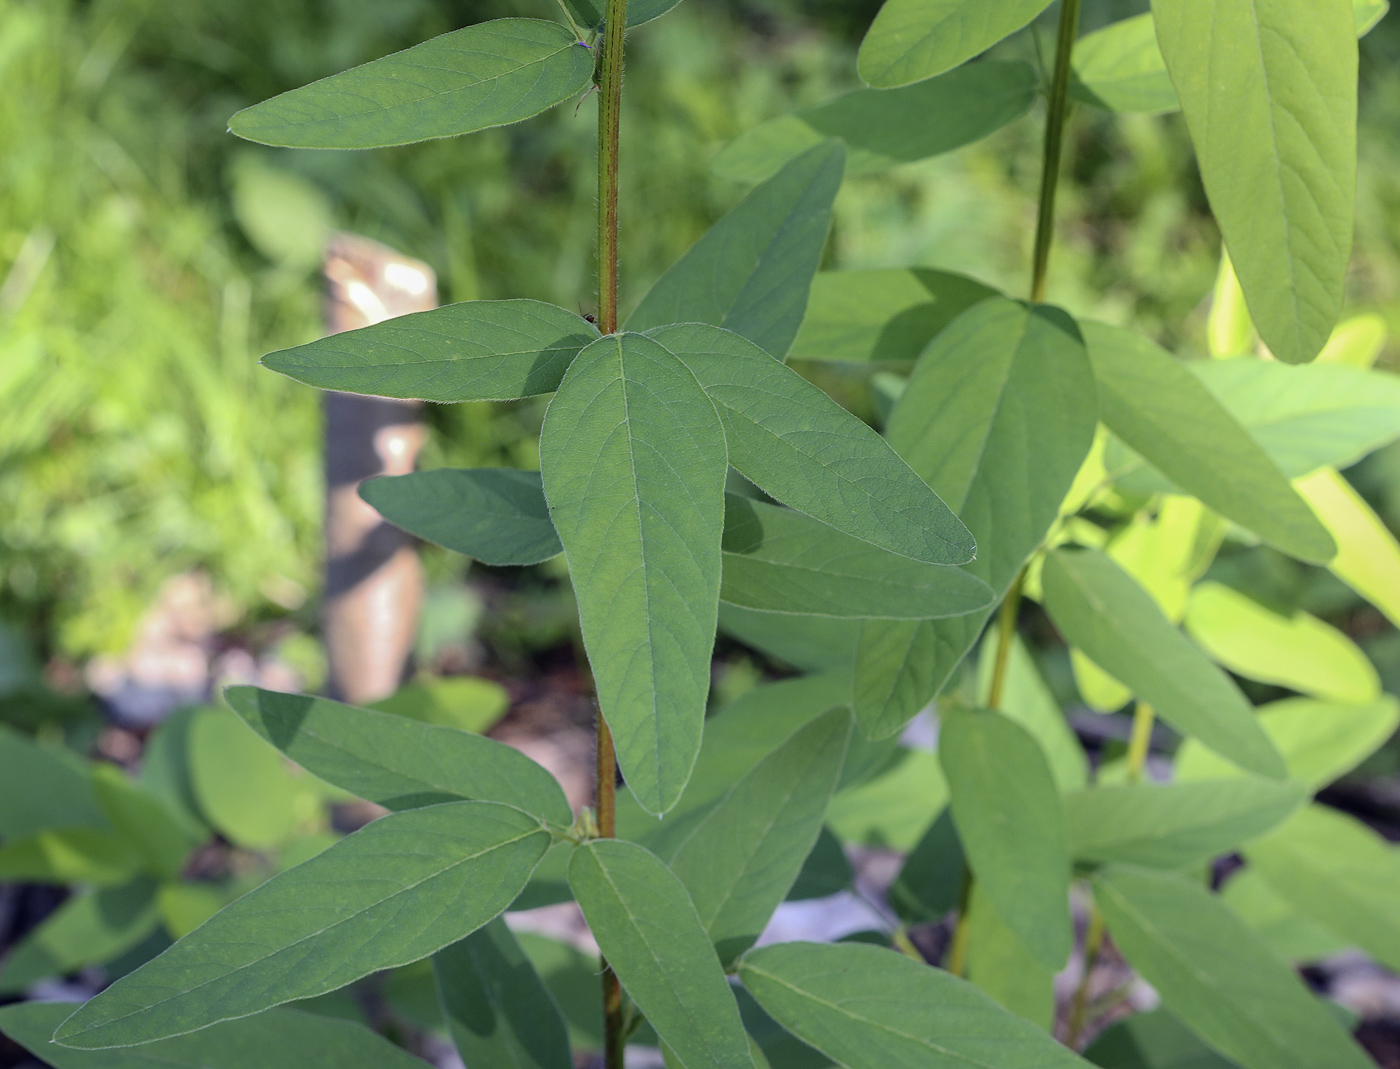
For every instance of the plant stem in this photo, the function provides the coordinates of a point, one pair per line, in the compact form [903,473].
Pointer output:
[1140,741]
[1093,943]
[609,77]
[957,950]
[1056,115]
[1006,631]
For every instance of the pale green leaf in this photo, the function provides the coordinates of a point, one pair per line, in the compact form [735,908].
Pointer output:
[777,560]
[1120,68]
[497,1009]
[1268,88]
[633,457]
[741,860]
[495,515]
[1368,555]
[870,1008]
[244,788]
[886,127]
[1026,699]
[491,74]
[1000,964]
[1213,973]
[69,855]
[1367,13]
[799,446]
[1299,651]
[396,891]
[468,703]
[890,810]
[397,762]
[1101,610]
[1357,341]
[649,932]
[1152,403]
[1011,825]
[1173,827]
[911,40]
[752,270]
[881,315]
[1280,927]
[474,351]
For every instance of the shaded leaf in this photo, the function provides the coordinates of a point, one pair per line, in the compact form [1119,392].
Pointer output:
[1154,1040]
[69,855]
[42,787]
[1026,699]
[807,643]
[827,870]
[161,839]
[1120,68]
[891,809]
[589,13]
[930,883]
[911,40]
[244,788]
[999,962]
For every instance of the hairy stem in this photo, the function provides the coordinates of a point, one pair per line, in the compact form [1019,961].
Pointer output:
[1140,741]
[1057,113]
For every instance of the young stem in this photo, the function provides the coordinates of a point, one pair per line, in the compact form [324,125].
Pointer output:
[609,78]
[1093,943]
[1056,115]
[1140,741]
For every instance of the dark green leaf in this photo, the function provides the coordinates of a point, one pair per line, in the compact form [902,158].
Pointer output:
[498,1010]
[42,787]
[1214,974]
[752,271]
[650,934]
[1102,611]
[826,871]
[799,446]
[475,351]
[1120,68]
[807,643]
[397,762]
[870,1008]
[1010,822]
[634,460]
[396,891]
[1155,1040]
[886,127]
[492,74]
[930,883]
[911,40]
[161,838]
[589,13]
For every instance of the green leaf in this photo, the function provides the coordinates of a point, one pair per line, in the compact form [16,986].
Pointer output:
[752,271]
[777,560]
[827,870]
[1102,611]
[1173,827]
[807,643]
[870,1008]
[42,787]
[571,976]
[396,891]
[1368,555]
[1367,13]
[1279,926]
[997,418]
[741,860]
[999,962]
[161,839]
[498,1010]
[890,810]
[1299,651]
[799,446]
[650,934]
[1320,741]
[1155,1040]
[278,1039]
[634,459]
[589,13]
[1012,826]
[1338,873]
[467,703]
[69,855]
[1307,417]
[495,515]
[1214,974]
[911,40]
[397,762]
[1152,402]
[1120,68]
[930,883]
[882,315]
[491,74]
[886,127]
[90,928]
[1269,94]
[244,788]
[474,351]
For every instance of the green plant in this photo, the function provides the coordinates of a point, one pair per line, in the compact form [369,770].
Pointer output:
[1026,455]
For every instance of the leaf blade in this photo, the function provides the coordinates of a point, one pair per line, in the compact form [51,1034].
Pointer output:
[911,40]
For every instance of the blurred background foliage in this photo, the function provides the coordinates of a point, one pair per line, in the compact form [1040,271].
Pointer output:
[147,258]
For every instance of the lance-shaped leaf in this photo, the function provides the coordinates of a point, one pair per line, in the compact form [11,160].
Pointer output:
[1171,827]
[278,1039]
[1214,973]
[1102,611]
[911,40]
[778,560]
[495,515]
[1012,826]
[1368,555]
[886,127]
[798,445]
[742,859]
[751,273]
[1338,873]
[492,74]
[880,315]
[1269,94]
[648,931]
[1120,68]
[997,418]
[1154,404]
[496,1006]
[396,891]
[870,1008]
[474,351]
[395,761]
[634,460]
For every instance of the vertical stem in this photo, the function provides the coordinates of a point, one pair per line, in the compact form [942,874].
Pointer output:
[609,78]
[1057,113]
[1006,630]
[957,949]
[1140,741]
[1093,943]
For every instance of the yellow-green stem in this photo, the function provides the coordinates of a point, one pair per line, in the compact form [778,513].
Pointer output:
[1093,943]
[957,950]
[1056,114]
[1140,741]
